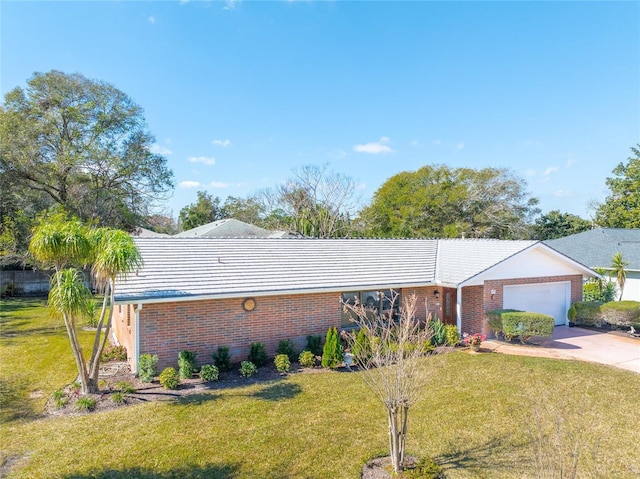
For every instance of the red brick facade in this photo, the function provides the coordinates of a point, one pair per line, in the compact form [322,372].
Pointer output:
[202,326]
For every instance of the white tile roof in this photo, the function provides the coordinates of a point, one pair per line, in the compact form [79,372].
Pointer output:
[206,267]
[459,260]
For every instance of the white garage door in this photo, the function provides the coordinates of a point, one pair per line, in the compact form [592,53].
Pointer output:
[549,298]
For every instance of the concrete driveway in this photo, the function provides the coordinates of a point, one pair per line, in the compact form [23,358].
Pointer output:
[577,343]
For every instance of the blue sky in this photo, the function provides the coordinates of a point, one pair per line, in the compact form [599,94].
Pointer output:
[240,93]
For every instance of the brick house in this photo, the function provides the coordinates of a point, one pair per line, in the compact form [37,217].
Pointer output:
[200,293]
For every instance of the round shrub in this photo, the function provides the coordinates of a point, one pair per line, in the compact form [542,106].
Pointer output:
[186,363]
[307,359]
[222,359]
[118,398]
[169,378]
[248,369]
[209,372]
[287,347]
[282,363]
[452,336]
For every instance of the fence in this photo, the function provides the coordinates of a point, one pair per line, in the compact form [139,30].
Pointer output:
[27,283]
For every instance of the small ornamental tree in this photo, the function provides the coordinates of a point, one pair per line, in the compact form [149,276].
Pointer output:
[66,245]
[395,364]
[332,351]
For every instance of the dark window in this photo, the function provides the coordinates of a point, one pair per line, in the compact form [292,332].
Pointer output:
[379,302]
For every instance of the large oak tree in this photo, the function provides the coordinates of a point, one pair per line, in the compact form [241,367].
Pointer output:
[621,208]
[82,144]
[441,202]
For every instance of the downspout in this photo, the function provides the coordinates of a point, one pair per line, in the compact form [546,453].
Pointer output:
[459,309]
[136,347]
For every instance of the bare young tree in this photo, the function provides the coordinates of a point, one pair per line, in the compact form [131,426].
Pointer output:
[393,355]
[314,202]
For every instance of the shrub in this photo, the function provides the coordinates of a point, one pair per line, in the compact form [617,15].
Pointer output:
[361,346]
[257,354]
[186,364]
[588,313]
[314,344]
[621,313]
[91,313]
[248,369]
[147,367]
[425,469]
[282,363]
[572,313]
[307,359]
[169,378]
[114,353]
[118,397]
[439,333]
[495,320]
[287,347]
[209,372]
[125,387]
[85,403]
[332,351]
[451,334]
[526,324]
[591,292]
[222,359]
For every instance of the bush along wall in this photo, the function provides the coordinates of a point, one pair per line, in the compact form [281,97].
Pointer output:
[614,314]
[511,323]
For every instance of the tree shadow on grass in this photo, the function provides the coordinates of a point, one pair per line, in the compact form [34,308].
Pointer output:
[14,402]
[278,392]
[494,454]
[218,471]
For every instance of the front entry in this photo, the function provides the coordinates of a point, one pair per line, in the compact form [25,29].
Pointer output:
[449,306]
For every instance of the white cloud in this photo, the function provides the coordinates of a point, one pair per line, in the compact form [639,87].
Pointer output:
[230,4]
[152,19]
[203,159]
[563,194]
[159,150]
[375,147]
[222,143]
[459,146]
[551,169]
[189,184]
[530,172]
[218,184]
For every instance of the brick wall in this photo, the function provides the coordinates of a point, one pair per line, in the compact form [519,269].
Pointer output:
[202,326]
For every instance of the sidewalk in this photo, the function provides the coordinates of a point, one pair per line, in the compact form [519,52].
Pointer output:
[577,343]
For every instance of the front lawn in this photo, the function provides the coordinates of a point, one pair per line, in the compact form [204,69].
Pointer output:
[473,420]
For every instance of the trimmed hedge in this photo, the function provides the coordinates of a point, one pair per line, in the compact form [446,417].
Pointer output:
[615,313]
[588,313]
[495,320]
[526,324]
[511,323]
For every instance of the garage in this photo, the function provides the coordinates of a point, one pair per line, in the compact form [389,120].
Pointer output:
[553,299]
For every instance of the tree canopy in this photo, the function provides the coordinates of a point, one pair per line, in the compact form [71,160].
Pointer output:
[555,224]
[621,208]
[205,210]
[82,144]
[438,201]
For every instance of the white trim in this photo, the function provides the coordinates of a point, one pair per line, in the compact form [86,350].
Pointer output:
[459,309]
[136,347]
[244,294]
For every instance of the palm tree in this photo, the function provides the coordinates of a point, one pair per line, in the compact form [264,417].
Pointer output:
[618,270]
[66,244]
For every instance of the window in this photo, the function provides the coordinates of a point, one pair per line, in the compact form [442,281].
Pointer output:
[379,302]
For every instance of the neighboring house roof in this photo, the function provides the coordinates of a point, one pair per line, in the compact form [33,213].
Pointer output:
[198,268]
[595,248]
[231,228]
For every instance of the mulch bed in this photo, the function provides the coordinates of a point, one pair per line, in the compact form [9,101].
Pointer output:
[113,373]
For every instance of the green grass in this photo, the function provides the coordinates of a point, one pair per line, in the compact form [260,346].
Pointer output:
[473,421]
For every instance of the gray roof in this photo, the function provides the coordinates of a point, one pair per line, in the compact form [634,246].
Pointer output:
[595,248]
[230,228]
[206,267]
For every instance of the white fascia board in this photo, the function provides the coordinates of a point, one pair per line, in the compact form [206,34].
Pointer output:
[257,294]
[479,278]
